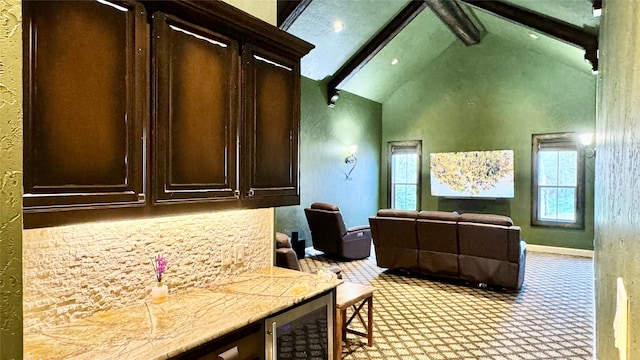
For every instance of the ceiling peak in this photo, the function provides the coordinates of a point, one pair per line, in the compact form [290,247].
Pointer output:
[456,20]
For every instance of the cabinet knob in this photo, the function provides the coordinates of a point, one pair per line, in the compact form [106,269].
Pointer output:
[250,192]
[236,194]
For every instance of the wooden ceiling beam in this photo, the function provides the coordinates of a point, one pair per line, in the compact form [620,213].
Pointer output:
[558,29]
[289,11]
[370,49]
[452,15]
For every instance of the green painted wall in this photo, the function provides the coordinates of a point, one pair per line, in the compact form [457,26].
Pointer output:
[488,97]
[617,215]
[325,134]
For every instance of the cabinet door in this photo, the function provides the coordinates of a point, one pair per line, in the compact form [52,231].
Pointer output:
[247,343]
[85,96]
[271,127]
[196,79]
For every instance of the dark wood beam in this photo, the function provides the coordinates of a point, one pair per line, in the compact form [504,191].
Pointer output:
[456,20]
[289,11]
[370,49]
[553,27]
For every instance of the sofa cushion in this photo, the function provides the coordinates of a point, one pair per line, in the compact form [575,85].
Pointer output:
[486,219]
[489,241]
[397,213]
[437,235]
[438,215]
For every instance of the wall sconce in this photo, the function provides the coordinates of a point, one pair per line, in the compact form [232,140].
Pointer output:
[333,98]
[597,7]
[587,139]
[351,159]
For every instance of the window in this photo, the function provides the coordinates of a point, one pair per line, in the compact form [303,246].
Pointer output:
[404,175]
[557,181]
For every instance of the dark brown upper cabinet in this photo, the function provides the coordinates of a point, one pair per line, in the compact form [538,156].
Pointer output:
[271,93]
[195,113]
[129,115]
[84,104]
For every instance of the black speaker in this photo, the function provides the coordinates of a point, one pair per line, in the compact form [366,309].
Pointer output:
[298,244]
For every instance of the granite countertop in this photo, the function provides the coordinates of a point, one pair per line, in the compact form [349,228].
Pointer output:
[188,319]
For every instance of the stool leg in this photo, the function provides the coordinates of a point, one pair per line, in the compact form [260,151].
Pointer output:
[343,314]
[370,321]
[337,338]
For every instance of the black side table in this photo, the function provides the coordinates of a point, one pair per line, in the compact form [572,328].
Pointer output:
[298,243]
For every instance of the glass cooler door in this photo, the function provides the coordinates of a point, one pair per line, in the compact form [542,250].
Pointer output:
[305,332]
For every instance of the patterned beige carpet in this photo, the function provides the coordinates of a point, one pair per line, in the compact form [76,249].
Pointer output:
[421,318]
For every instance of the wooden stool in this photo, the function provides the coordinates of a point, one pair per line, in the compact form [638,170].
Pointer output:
[355,296]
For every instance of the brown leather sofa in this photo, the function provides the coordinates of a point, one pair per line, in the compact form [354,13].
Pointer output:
[480,248]
[330,235]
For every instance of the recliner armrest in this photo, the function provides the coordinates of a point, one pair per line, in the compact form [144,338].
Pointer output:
[358,228]
[357,233]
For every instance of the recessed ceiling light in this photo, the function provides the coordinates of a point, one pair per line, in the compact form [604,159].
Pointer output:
[394,61]
[597,12]
[533,36]
[338,26]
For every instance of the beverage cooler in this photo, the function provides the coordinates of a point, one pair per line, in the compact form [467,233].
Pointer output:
[304,332]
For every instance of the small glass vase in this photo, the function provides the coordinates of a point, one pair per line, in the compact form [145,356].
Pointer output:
[159,293]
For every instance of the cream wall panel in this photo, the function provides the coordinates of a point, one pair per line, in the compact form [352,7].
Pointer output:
[10,179]
[266,10]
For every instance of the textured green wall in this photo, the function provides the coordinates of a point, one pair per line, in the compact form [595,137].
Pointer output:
[617,215]
[487,97]
[10,179]
[325,134]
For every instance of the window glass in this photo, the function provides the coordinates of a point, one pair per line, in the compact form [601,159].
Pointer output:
[567,168]
[404,175]
[557,181]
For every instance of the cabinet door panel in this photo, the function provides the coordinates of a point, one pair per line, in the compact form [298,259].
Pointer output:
[196,110]
[272,106]
[84,103]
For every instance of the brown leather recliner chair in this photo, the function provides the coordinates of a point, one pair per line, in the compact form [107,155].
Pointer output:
[330,234]
[285,256]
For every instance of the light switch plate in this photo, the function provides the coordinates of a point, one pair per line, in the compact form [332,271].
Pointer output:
[239,254]
[620,321]
[227,255]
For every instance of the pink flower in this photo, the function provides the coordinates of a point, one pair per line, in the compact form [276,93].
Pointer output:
[159,263]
